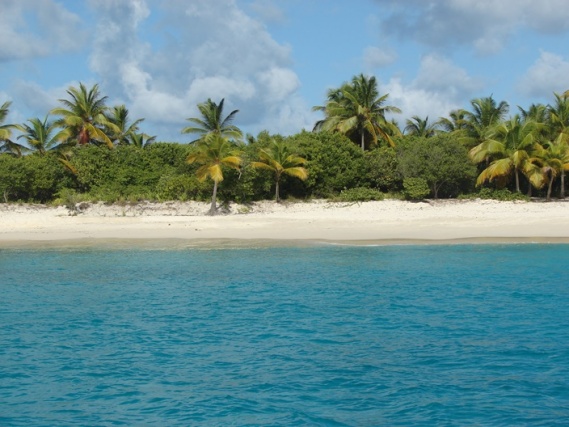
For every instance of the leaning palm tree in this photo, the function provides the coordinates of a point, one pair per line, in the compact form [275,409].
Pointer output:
[6,143]
[119,116]
[43,136]
[213,122]
[358,111]
[509,149]
[213,153]
[279,160]
[84,116]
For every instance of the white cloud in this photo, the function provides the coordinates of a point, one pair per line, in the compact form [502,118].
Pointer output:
[268,11]
[375,57]
[210,50]
[439,87]
[31,28]
[549,74]
[485,25]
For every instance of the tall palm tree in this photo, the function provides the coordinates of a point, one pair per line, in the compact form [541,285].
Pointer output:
[357,110]
[485,115]
[41,136]
[510,149]
[214,152]
[213,122]
[420,127]
[278,159]
[119,116]
[84,116]
[558,119]
[6,143]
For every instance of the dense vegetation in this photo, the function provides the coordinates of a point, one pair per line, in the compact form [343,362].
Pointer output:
[85,150]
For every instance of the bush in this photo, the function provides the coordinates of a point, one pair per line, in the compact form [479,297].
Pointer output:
[415,188]
[503,195]
[382,173]
[334,163]
[359,194]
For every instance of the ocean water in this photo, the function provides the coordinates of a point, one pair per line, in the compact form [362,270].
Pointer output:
[457,335]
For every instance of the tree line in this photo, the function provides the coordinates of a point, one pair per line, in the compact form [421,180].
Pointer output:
[86,150]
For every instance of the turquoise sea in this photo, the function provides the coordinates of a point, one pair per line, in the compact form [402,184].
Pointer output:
[426,335]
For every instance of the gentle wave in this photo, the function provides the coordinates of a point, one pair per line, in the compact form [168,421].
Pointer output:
[323,335]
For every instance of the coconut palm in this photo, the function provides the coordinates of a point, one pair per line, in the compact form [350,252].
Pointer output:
[558,115]
[357,110]
[278,159]
[456,122]
[6,143]
[485,115]
[141,140]
[84,116]
[420,127]
[214,152]
[213,121]
[509,149]
[554,160]
[43,136]
[119,116]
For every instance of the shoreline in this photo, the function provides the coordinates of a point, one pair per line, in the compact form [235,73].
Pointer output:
[317,222]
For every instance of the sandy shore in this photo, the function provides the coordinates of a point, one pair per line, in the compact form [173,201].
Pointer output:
[386,221]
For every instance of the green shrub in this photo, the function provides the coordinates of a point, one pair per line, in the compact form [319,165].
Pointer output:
[415,188]
[359,194]
[503,195]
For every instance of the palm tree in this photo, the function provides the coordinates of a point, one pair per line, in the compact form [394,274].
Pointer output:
[357,110]
[558,119]
[554,160]
[420,127]
[141,140]
[213,152]
[456,122]
[485,115]
[84,116]
[6,143]
[39,135]
[510,149]
[279,160]
[212,121]
[118,115]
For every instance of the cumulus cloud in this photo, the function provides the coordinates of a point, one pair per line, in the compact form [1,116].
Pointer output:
[375,57]
[485,25]
[439,87]
[549,74]
[31,28]
[206,50]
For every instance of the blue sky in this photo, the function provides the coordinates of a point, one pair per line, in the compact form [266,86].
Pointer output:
[275,59]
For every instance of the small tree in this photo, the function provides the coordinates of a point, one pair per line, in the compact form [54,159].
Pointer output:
[440,160]
[214,152]
[279,160]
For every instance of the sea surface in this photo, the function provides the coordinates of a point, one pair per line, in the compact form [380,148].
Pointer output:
[316,335]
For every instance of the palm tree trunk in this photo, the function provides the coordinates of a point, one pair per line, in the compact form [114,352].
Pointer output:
[562,190]
[213,207]
[549,187]
[277,193]
[363,142]
[517,180]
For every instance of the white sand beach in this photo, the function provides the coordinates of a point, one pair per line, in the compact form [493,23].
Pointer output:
[384,221]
